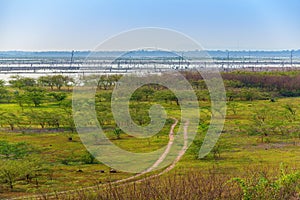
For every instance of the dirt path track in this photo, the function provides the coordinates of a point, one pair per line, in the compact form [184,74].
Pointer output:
[54,195]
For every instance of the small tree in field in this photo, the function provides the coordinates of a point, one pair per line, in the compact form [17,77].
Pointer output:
[45,81]
[22,82]
[58,96]
[10,119]
[89,158]
[38,118]
[10,171]
[291,112]
[13,151]
[13,170]
[260,124]
[4,93]
[58,81]
[233,107]
[35,95]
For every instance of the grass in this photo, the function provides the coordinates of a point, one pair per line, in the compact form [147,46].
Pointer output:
[53,149]
[62,159]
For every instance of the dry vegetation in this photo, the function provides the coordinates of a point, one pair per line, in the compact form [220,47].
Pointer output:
[258,183]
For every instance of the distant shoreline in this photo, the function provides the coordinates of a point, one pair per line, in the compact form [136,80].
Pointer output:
[195,53]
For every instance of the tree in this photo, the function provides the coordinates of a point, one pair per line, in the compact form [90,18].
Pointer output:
[291,112]
[261,124]
[15,151]
[31,95]
[89,158]
[103,81]
[248,94]
[46,81]
[35,95]
[4,94]
[10,119]
[58,81]
[38,118]
[2,82]
[10,172]
[69,81]
[233,106]
[166,95]
[66,106]
[115,78]
[19,98]
[54,119]
[21,82]
[137,96]
[146,92]
[58,96]
[69,121]
[13,170]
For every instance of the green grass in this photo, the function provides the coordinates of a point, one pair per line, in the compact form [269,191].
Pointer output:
[238,148]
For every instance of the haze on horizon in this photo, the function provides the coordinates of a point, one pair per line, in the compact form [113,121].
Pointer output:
[35,25]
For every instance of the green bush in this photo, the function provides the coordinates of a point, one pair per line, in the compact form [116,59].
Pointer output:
[286,186]
[14,151]
[89,158]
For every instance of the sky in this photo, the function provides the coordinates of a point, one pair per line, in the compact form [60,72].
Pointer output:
[50,25]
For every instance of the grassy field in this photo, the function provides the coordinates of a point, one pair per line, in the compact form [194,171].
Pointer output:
[259,135]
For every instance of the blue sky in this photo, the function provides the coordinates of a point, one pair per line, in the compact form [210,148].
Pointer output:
[215,24]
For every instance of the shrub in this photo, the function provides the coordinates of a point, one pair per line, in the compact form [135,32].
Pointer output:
[88,158]
[263,187]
